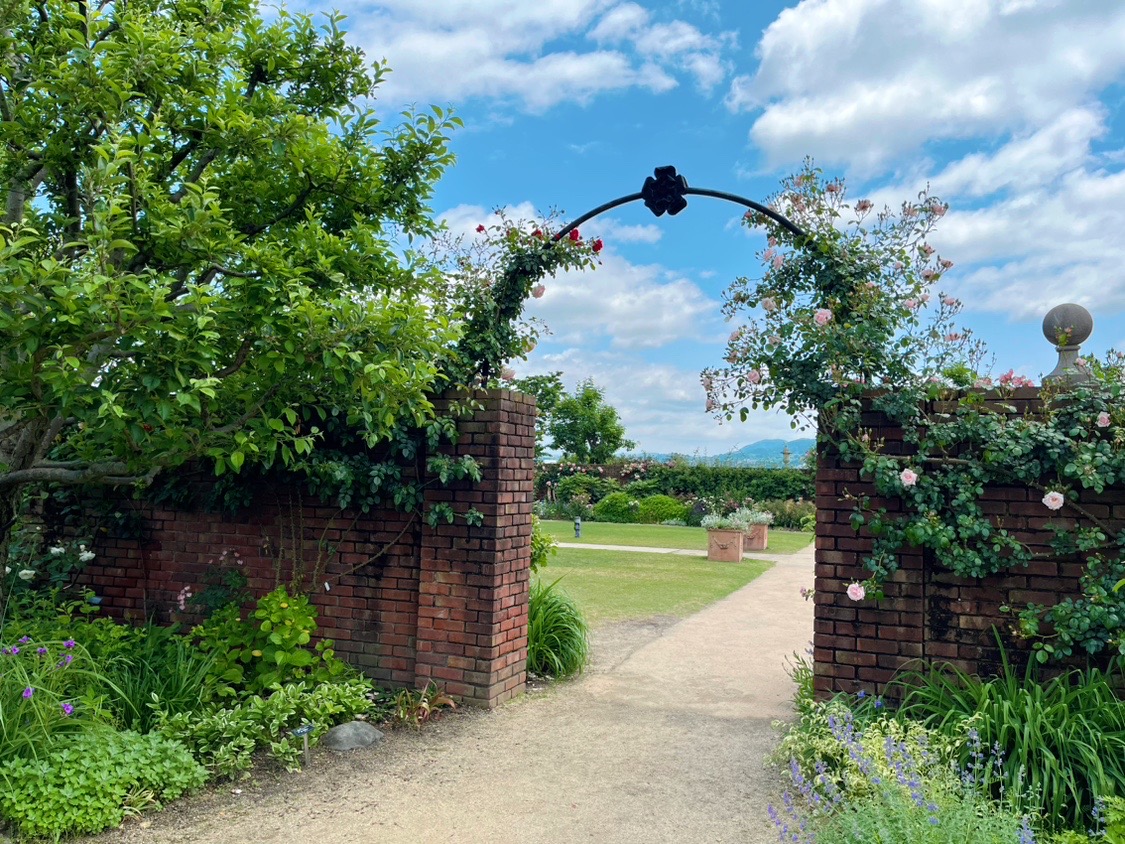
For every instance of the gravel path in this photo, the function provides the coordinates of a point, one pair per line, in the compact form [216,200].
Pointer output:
[662,740]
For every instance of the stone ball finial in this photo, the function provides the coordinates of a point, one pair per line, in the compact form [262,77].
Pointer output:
[1068,325]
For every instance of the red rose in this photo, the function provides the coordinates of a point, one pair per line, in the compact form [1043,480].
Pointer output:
[480,228]
[597,247]
[537,233]
[574,235]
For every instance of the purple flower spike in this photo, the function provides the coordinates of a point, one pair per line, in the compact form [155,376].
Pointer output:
[67,709]
[28,692]
[69,643]
[25,640]
[14,651]
[41,651]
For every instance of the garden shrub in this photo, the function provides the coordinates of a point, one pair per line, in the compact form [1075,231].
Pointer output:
[224,739]
[565,511]
[645,488]
[543,545]
[594,487]
[789,514]
[271,648]
[558,643]
[658,508]
[92,781]
[616,507]
[733,482]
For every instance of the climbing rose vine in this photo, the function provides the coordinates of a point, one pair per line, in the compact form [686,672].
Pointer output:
[845,319]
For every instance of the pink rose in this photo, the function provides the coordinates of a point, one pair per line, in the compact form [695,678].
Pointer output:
[856,592]
[597,246]
[574,235]
[947,264]
[777,261]
[753,376]
[1103,420]
[908,477]
[538,290]
[926,249]
[910,304]
[507,374]
[823,316]
[769,304]
[948,301]
[1054,500]
[863,206]
[928,275]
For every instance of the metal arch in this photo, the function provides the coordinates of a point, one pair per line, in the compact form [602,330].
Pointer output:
[665,190]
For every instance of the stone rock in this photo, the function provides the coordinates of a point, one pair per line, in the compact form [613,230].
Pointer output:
[350,736]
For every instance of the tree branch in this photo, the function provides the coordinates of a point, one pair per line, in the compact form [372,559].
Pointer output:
[239,359]
[298,203]
[231,427]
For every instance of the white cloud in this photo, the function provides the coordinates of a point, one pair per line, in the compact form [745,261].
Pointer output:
[614,232]
[635,307]
[534,53]
[662,406]
[863,81]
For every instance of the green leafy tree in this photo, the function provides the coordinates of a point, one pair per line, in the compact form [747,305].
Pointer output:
[585,427]
[548,391]
[198,241]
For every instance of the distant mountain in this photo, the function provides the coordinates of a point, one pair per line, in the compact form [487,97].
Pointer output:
[760,453]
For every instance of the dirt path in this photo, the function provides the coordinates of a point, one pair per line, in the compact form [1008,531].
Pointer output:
[661,741]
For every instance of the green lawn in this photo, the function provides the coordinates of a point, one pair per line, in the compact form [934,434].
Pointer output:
[619,585]
[664,536]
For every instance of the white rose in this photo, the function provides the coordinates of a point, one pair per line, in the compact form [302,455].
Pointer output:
[56,550]
[27,574]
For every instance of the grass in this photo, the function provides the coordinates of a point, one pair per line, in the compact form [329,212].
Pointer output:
[619,585]
[663,536]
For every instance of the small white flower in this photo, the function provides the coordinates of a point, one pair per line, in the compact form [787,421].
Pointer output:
[327,588]
[26,574]
[86,556]
[56,550]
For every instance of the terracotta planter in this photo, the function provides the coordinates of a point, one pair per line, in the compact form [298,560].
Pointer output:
[724,546]
[756,538]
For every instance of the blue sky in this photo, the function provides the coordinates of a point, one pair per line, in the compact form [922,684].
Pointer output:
[1011,109]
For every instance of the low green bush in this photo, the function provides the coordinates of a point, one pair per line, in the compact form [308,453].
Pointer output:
[594,487]
[270,648]
[565,511]
[558,639]
[659,508]
[617,507]
[543,545]
[643,489]
[788,513]
[91,781]
[224,738]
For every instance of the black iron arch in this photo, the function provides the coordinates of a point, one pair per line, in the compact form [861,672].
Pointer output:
[665,191]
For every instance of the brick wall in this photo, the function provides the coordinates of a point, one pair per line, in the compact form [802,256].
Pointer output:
[447,604]
[928,612]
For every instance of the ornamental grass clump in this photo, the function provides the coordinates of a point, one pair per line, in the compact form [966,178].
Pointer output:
[1062,741]
[558,639]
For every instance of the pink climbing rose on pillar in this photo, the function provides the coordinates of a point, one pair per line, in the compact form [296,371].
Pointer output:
[856,592]
[1102,420]
[908,477]
[823,316]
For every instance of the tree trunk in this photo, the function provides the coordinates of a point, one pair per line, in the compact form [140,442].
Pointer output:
[9,510]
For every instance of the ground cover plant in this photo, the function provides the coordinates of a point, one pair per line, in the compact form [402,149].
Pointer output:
[662,536]
[619,585]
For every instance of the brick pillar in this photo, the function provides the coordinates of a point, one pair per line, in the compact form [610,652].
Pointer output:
[473,581]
